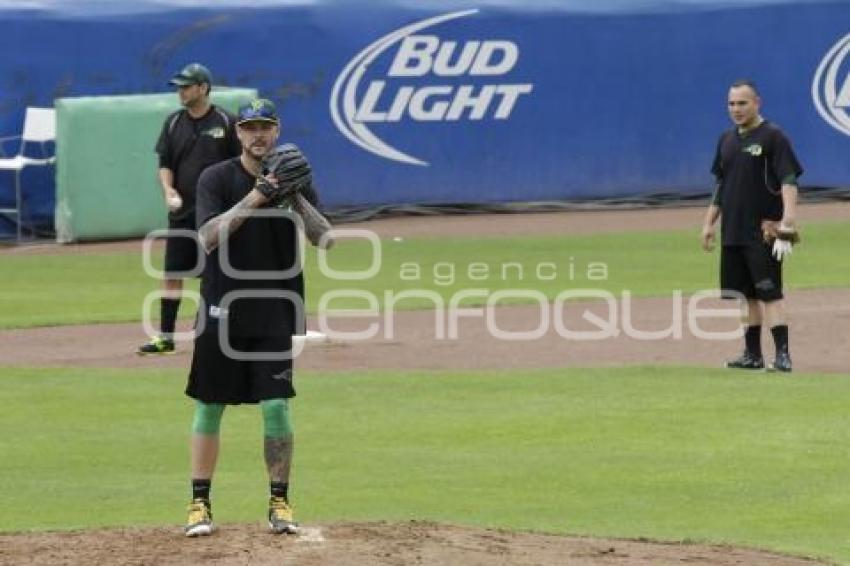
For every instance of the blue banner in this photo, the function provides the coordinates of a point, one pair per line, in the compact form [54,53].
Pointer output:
[394,103]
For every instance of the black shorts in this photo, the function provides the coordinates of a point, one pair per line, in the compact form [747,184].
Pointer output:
[181,252]
[752,271]
[218,378]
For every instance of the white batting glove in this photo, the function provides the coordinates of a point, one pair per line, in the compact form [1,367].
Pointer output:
[782,249]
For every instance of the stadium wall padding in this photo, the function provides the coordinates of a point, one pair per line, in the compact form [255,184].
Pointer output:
[106,168]
[609,98]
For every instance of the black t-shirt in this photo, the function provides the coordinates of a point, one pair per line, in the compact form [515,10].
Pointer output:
[259,244]
[189,145]
[750,171]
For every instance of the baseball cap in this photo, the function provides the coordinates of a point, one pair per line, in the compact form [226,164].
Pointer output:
[192,74]
[259,110]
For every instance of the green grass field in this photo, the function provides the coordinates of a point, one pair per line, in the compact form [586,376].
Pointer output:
[673,453]
[111,287]
[664,453]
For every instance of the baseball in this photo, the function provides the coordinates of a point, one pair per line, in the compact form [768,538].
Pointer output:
[174,203]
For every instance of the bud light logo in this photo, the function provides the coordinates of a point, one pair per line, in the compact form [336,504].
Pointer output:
[429,79]
[831,86]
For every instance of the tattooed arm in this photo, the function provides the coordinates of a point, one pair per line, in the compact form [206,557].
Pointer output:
[228,222]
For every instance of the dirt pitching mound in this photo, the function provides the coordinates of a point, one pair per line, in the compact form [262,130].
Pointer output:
[379,544]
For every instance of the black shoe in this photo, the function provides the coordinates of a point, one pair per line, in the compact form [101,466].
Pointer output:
[747,360]
[157,345]
[782,362]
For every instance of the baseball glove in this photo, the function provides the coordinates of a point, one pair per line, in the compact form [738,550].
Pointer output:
[289,167]
[773,230]
[295,188]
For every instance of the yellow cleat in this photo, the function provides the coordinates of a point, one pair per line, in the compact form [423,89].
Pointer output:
[200,519]
[280,517]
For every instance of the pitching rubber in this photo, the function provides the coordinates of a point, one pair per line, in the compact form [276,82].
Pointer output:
[312,337]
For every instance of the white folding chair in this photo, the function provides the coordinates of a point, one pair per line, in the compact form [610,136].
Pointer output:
[40,128]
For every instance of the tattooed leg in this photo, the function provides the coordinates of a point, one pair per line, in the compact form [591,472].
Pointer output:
[278,438]
[278,453]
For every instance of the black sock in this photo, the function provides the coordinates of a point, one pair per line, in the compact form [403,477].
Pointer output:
[780,337]
[201,489]
[168,316]
[752,338]
[279,489]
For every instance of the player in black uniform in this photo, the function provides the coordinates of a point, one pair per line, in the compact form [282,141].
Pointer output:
[236,237]
[192,139]
[757,173]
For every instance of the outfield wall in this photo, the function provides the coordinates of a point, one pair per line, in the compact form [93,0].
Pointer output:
[394,103]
